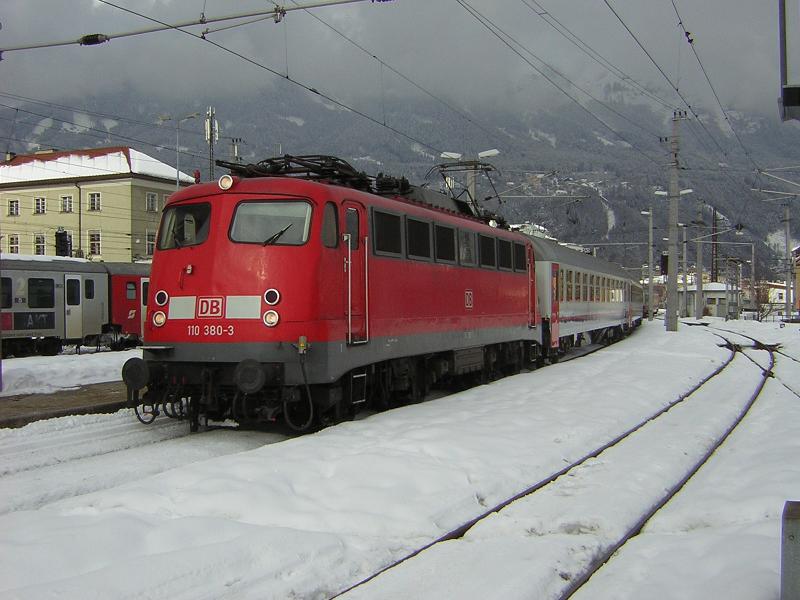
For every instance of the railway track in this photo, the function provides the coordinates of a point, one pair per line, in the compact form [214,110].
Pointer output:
[75,456]
[567,502]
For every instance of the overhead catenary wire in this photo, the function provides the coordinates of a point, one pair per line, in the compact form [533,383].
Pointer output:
[504,37]
[296,82]
[584,47]
[99,38]
[666,77]
[691,43]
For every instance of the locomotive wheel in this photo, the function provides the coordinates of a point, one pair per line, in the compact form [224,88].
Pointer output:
[146,413]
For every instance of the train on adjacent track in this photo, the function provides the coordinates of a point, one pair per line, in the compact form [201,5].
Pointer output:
[299,288]
[47,302]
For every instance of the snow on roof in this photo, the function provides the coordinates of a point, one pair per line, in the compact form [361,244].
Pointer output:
[93,162]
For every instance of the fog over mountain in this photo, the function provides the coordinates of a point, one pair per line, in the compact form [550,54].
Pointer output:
[438,80]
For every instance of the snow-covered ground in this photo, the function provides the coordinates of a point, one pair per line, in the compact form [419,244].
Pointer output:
[310,516]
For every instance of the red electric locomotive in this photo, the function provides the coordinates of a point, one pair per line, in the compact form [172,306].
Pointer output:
[299,287]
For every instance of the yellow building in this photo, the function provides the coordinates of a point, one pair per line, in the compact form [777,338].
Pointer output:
[106,201]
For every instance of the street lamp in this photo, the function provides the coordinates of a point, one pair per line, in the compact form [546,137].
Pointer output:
[671,320]
[178,122]
[649,214]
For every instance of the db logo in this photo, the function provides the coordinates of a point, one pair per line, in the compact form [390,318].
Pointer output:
[469,300]
[210,307]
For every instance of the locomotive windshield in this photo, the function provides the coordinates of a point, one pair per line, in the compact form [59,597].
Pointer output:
[185,225]
[266,223]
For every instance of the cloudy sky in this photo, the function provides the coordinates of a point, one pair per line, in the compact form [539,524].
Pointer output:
[438,44]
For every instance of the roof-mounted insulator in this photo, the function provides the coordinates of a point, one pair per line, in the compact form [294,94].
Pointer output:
[93,39]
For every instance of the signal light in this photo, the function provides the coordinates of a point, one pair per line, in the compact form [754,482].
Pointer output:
[159,318]
[271,318]
[225,182]
[272,296]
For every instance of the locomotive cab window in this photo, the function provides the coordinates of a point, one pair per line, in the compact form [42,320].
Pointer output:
[418,239]
[271,223]
[445,244]
[387,234]
[467,254]
[330,226]
[520,260]
[41,293]
[504,257]
[351,224]
[488,252]
[5,292]
[185,225]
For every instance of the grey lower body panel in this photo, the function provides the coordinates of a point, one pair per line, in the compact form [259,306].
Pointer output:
[326,362]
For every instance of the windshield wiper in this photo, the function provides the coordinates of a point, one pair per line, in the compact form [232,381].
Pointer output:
[274,237]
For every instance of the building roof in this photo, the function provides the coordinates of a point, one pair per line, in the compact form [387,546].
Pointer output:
[85,163]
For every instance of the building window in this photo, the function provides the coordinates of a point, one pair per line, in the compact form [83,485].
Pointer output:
[13,243]
[94,242]
[94,200]
[13,208]
[39,206]
[150,242]
[66,204]
[39,245]
[151,202]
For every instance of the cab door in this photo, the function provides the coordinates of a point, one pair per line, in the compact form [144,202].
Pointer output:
[356,255]
[73,309]
[144,282]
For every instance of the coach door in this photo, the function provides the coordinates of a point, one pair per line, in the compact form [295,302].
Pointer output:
[356,272]
[556,285]
[533,316]
[73,309]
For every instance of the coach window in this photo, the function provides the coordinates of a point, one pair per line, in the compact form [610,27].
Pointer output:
[418,239]
[577,286]
[130,290]
[569,286]
[444,244]
[585,293]
[591,288]
[269,223]
[487,251]
[41,293]
[504,257]
[561,285]
[330,226]
[520,257]
[88,289]
[185,225]
[73,292]
[5,292]
[467,255]
[387,234]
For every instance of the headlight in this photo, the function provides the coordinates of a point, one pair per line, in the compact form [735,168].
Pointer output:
[225,182]
[272,296]
[159,318]
[271,318]
[161,297]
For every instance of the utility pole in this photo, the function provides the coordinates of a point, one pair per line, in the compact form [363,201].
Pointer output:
[753,291]
[671,320]
[685,296]
[714,250]
[786,219]
[212,137]
[699,301]
[650,265]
